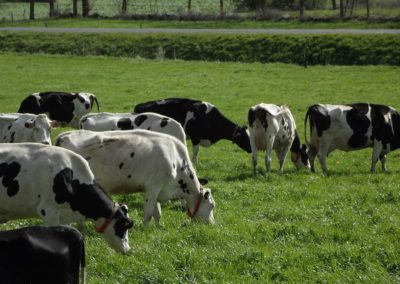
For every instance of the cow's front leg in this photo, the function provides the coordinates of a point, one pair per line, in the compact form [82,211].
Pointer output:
[157,213]
[382,157]
[196,149]
[376,152]
[268,153]
[322,154]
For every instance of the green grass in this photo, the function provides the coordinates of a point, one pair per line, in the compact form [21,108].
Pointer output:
[296,227]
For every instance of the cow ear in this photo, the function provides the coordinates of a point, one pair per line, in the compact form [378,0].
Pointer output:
[207,195]
[203,181]
[29,124]
[55,124]
[124,208]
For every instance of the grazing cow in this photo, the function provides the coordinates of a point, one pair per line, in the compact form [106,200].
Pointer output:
[128,121]
[352,127]
[17,127]
[57,186]
[273,127]
[204,124]
[142,161]
[42,255]
[67,108]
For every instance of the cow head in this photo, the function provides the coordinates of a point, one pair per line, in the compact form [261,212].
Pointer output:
[83,103]
[241,138]
[41,127]
[204,207]
[300,159]
[115,228]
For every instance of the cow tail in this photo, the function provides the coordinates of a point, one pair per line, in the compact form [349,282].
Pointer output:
[97,104]
[305,126]
[83,261]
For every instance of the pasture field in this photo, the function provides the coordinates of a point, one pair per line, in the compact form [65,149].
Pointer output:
[296,227]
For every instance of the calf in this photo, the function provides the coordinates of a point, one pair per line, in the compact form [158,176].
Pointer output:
[67,108]
[17,127]
[57,186]
[41,255]
[352,127]
[204,124]
[143,161]
[273,127]
[128,121]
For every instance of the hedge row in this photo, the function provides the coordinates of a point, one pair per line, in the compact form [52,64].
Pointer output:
[311,50]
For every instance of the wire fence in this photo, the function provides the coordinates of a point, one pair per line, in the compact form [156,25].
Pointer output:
[112,8]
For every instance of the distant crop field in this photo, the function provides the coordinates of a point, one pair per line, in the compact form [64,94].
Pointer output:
[296,227]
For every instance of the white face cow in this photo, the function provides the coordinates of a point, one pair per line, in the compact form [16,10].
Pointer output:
[57,186]
[17,127]
[105,121]
[142,161]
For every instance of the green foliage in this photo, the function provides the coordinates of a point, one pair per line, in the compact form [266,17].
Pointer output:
[310,50]
[296,227]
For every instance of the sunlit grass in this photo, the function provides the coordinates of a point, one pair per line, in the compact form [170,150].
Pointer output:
[296,227]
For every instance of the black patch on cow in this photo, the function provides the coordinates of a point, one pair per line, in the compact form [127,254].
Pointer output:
[5,137]
[80,98]
[12,137]
[164,122]
[9,172]
[129,176]
[38,196]
[9,127]
[359,122]
[149,128]
[385,129]
[121,165]
[43,212]
[132,154]
[183,186]
[296,145]
[30,105]
[140,119]
[87,105]
[125,124]
[88,199]
[283,121]
[88,158]
[319,117]
[251,117]
[173,165]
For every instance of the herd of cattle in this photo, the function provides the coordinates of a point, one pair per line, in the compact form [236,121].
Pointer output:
[144,151]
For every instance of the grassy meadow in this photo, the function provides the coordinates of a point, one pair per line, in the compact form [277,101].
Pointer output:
[296,227]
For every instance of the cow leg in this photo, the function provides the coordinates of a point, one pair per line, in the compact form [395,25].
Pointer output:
[312,153]
[196,149]
[157,213]
[268,153]
[322,154]
[382,157]
[150,204]
[282,153]
[376,152]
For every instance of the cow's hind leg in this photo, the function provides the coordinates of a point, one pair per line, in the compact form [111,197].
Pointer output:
[268,153]
[322,154]
[312,153]
[282,153]
[150,204]
[382,157]
[376,152]
[157,213]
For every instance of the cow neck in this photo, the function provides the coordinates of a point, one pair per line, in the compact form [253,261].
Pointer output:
[229,130]
[103,227]
[196,206]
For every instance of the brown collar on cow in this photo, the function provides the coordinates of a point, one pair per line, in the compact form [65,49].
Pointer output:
[107,222]
[197,206]
[234,134]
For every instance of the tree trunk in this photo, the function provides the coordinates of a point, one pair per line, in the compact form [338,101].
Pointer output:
[352,7]
[31,9]
[334,7]
[75,8]
[85,8]
[124,7]
[189,5]
[341,9]
[221,8]
[301,4]
[51,9]
[367,3]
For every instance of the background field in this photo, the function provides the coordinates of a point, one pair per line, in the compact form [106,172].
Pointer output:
[296,227]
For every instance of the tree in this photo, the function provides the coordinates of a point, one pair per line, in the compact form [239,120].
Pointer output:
[341,9]
[124,6]
[301,5]
[85,8]
[334,7]
[51,9]
[75,8]
[221,8]
[367,3]
[31,9]
[189,5]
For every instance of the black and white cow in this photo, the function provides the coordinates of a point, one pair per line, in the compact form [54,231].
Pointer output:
[273,127]
[57,186]
[143,161]
[42,255]
[353,127]
[67,108]
[106,121]
[19,127]
[204,124]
